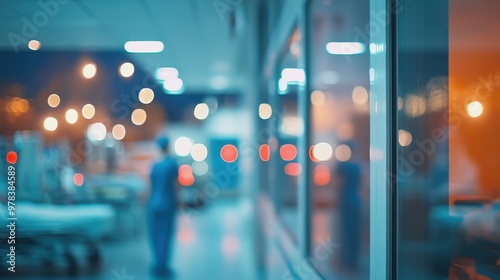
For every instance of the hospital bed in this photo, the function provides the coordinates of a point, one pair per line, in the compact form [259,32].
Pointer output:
[48,231]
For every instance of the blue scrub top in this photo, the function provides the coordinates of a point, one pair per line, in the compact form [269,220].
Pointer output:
[163,176]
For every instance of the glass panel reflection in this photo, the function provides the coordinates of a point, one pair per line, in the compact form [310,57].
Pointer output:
[339,155]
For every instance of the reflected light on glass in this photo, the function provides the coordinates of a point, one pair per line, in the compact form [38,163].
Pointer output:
[96,132]
[321,175]
[404,138]
[318,98]
[199,152]
[144,46]
[359,95]
[118,132]
[293,169]
[229,153]
[415,105]
[288,152]
[201,111]
[165,73]
[127,69]
[264,152]
[71,116]
[345,48]
[173,85]
[139,117]
[183,146]
[292,126]
[329,77]
[34,45]
[200,168]
[343,153]
[322,151]
[88,111]
[219,82]
[293,75]
[78,179]
[54,100]
[89,70]
[146,95]
[400,103]
[475,109]
[345,131]
[282,85]
[50,124]
[311,154]
[265,111]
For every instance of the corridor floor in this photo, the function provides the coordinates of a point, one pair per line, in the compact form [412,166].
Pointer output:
[212,243]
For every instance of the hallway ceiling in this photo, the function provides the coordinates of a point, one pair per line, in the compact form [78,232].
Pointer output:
[199,40]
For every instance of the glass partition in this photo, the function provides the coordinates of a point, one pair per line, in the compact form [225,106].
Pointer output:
[448,78]
[340,129]
[288,127]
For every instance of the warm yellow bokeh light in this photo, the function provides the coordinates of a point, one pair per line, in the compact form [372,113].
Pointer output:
[139,116]
[54,100]
[89,70]
[71,116]
[265,111]
[318,98]
[343,152]
[201,111]
[359,95]
[127,69]
[199,152]
[475,109]
[88,111]
[404,138]
[50,124]
[34,45]
[146,95]
[118,132]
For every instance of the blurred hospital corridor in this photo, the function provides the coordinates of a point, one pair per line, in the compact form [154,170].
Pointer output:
[250,139]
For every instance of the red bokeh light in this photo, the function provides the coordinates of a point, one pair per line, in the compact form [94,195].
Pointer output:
[293,169]
[288,152]
[264,152]
[78,179]
[229,153]
[321,175]
[186,177]
[311,155]
[11,157]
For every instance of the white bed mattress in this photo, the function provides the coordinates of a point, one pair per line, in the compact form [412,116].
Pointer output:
[88,220]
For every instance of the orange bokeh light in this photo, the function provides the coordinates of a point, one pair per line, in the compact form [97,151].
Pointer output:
[293,169]
[264,152]
[186,177]
[229,153]
[311,154]
[288,152]
[321,175]
[78,179]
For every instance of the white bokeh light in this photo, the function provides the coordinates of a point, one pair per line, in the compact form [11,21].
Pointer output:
[71,116]
[183,146]
[199,152]
[201,111]
[96,132]
[322,151]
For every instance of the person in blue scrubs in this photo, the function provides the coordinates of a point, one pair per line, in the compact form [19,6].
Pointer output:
[162,207]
